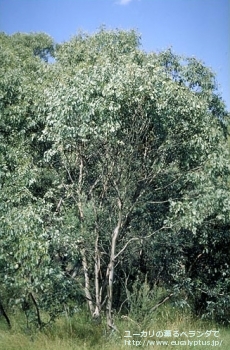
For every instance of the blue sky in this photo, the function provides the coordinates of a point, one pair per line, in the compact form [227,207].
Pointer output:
[199,28]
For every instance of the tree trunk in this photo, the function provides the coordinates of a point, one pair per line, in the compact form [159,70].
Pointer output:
[37,310]
[87,281]
[2,311]
[110,270]
[97,267]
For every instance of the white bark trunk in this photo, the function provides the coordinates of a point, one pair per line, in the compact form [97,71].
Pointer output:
[87,282]
[97,268]
[110,269]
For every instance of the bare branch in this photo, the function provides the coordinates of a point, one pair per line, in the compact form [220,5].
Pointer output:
[162,302]
[138,238]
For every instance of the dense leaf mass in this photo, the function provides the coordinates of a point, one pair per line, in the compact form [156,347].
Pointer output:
[114,172]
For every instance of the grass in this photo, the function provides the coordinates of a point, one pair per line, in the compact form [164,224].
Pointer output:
[80,332]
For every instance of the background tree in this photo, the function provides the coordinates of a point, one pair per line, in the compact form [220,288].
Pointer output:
[28,275]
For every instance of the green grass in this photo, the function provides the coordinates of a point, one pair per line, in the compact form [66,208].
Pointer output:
[80,332]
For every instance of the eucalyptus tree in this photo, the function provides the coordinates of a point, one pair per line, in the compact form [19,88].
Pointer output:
[114,168]
[136,137]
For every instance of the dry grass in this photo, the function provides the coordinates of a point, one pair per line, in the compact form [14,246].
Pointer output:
[80,333]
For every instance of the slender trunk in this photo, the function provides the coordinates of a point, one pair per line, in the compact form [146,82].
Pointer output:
[110,270]
[37,310]
[83,252]
[87,281]
[97,268]
[2,311]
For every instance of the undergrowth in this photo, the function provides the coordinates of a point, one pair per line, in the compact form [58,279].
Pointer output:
[81,332]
